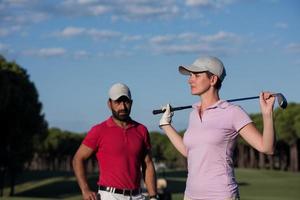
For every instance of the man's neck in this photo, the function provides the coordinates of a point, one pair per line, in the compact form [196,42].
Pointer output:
[122,124]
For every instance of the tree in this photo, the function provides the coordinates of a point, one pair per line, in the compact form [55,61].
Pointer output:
[164,151]
[22,123]
[287,124]
[258,121]
[59,147]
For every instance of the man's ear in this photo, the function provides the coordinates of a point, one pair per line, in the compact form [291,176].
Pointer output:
[109,103]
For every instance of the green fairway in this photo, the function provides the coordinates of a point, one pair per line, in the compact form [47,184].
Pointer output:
[254,185]
[267,185]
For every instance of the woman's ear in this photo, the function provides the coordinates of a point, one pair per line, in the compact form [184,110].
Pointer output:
[213,80]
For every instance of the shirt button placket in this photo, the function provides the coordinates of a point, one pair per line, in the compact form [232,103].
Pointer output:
[125,135]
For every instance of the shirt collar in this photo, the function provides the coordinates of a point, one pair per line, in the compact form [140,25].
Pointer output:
[111,123]
[219,104]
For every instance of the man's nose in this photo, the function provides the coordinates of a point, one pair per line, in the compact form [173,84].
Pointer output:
[123,104]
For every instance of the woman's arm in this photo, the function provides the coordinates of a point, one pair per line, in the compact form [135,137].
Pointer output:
[174,137]
[264,142]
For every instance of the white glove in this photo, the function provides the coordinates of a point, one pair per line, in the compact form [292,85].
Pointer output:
[166,118]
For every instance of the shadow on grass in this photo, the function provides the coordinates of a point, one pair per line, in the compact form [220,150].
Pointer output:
[39,175]
[176,186]
[173,173]
[58,189]
[68,187]
[241,184]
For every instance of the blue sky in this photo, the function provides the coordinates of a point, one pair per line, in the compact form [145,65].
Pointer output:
[74,50]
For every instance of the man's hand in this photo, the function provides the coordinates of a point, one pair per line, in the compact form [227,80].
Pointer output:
[166,118]
[90,195]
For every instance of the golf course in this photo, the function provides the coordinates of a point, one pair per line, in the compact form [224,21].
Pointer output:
[254,185]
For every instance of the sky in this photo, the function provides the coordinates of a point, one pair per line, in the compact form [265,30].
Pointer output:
[74,50]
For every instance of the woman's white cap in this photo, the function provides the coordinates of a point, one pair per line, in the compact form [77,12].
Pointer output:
[202,64]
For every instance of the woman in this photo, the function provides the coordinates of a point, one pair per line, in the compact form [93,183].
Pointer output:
[210,138]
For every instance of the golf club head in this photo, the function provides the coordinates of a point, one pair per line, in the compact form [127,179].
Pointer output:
[282,102]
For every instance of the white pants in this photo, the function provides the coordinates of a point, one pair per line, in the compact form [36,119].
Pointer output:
[113,196]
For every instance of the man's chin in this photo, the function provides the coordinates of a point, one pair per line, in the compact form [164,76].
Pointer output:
[123,117]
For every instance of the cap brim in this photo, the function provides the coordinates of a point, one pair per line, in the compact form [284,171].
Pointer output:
[116,97]
[184,70]
[191,69]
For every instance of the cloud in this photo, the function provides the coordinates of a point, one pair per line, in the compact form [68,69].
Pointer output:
[187,48]
[281,25]
[27,18]
[120,9]
[132,38]
[3,32]
[161,11]
[117,53]
[71,31]
[15,3]
[219,42]
[18,12]
[46,52]
[293,47]
[197,2]
[221,36]
[35,11]
[208,3]
[83,8]
[3,47]
[93,33]
[162,39]
[51,52]
[102,34]
[81,54]
[99,10]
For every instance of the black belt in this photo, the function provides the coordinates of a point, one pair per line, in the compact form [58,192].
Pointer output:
[120,191]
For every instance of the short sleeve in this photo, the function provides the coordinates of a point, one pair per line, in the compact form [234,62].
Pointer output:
[240,118]
[91,139]
[147,139]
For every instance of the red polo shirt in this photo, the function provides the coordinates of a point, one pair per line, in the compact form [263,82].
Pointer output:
[120,152]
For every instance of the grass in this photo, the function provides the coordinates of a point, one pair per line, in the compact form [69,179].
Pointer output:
[267,185]
[254,185]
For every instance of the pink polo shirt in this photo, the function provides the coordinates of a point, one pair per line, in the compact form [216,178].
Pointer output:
[120,152]
[210,142]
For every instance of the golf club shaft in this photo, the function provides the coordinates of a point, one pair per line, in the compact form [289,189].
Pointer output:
[229,100]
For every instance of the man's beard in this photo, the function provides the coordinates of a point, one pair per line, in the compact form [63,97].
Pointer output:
[121,115]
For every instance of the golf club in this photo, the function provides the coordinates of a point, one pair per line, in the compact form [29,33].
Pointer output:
[282,102]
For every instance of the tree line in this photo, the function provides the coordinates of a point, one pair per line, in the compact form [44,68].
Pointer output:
[28,143]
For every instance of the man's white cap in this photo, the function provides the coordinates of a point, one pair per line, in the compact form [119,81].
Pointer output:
[117,90]
[209,63]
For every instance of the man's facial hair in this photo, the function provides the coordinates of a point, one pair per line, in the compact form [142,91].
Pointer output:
[122,117]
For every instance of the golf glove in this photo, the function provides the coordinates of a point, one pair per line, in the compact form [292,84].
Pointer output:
[166,118]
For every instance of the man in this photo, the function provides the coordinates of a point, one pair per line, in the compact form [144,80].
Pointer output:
[122,147]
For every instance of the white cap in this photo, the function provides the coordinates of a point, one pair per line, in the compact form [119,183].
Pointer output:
[118,90]
[209,63]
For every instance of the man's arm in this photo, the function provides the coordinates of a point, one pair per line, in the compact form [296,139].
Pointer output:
[82,154]
[149,175]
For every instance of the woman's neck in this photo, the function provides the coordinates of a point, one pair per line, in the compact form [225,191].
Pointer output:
[209,99]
